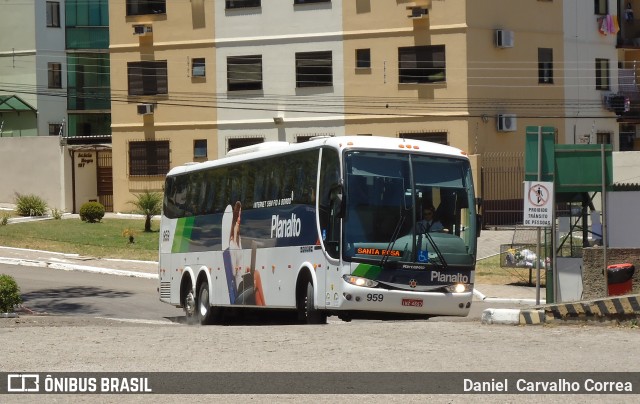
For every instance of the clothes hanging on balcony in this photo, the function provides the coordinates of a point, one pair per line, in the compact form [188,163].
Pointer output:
[608,24]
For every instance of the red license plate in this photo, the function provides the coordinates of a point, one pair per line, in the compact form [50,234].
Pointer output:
[412,302]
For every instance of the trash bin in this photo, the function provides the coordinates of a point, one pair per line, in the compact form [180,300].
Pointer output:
[619,279]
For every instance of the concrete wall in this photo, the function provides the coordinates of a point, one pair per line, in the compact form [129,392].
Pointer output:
[623,221]
[593,283]
[86,177]
[35,165]
[625,167]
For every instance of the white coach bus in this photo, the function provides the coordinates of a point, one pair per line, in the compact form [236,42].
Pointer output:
[332,226]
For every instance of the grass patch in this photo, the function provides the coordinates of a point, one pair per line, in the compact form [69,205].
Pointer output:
[72,236]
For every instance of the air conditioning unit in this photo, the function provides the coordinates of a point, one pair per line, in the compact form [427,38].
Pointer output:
[504,38]
[145,109]
[507,123]
[142,29]
[418,12]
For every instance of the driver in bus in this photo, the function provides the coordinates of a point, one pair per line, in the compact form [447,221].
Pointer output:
[429,224]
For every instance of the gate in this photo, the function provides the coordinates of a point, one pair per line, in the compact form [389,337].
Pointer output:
[502,188]
[105,180]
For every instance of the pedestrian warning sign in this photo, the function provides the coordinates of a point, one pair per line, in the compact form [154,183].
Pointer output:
[538,203]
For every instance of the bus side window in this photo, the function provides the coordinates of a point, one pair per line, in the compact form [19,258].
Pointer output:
[329,224]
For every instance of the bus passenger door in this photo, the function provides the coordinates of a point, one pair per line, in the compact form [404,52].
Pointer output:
[329,211]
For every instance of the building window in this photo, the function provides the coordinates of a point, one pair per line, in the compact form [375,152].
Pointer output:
[604,137]
[53,14]
[303,138]
[244,73]
[198,67]
[314,69]
[200,148]
[545,65]
[147,78]
[363,58]
[55,129]
[234,143]
[434,137]
[310,1]
[601,7]
[602,74]
[422,64]
[241,3]
[55,75]
[149,158]
[144,7]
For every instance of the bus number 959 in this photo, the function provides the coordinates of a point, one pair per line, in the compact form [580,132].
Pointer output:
[375,297]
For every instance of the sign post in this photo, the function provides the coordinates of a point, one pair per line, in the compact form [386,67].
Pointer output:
[538,204]
[538,212]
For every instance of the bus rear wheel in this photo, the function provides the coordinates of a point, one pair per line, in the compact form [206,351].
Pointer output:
[205,313]
[311,314]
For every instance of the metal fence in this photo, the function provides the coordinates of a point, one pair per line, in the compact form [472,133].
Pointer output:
[502,188]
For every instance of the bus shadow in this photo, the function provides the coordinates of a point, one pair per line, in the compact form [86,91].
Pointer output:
[68,300]
[249,318]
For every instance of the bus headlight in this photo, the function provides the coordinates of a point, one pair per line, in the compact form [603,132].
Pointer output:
[459,288]
[358,281]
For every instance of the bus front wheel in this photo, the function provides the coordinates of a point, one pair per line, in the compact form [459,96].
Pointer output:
[311,314]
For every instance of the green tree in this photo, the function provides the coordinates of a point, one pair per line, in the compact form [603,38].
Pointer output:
[149,204]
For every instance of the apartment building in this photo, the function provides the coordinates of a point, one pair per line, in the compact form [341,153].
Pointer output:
[163,91]
[32,68]
[589,62]
[628,47]
[192,80]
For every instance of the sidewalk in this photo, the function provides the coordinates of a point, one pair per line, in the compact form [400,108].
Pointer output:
[75,262]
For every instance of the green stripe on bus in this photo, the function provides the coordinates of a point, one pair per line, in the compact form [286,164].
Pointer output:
[367,271]
[184,228]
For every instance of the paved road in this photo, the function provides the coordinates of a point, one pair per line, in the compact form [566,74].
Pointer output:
[89,342]
[77,293]
[60,292]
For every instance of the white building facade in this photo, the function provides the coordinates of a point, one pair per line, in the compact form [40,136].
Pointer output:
[281,44]
[590,70]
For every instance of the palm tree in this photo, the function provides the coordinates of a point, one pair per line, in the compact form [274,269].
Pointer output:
[148,204]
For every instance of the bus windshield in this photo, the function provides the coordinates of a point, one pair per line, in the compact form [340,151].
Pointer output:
[410,208]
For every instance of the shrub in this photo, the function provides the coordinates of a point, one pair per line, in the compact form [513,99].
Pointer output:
[91,212]
[9,293]
[56,213]
[4,219]
[30,205]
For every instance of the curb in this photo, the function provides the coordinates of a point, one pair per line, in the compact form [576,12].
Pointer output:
[604,309]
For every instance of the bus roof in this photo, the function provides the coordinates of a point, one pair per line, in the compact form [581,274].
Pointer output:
[340,143]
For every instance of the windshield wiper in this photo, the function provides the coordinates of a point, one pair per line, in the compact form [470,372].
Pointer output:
[392,241]
[443,262]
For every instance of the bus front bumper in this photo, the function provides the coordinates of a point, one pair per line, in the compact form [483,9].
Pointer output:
[357,298]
